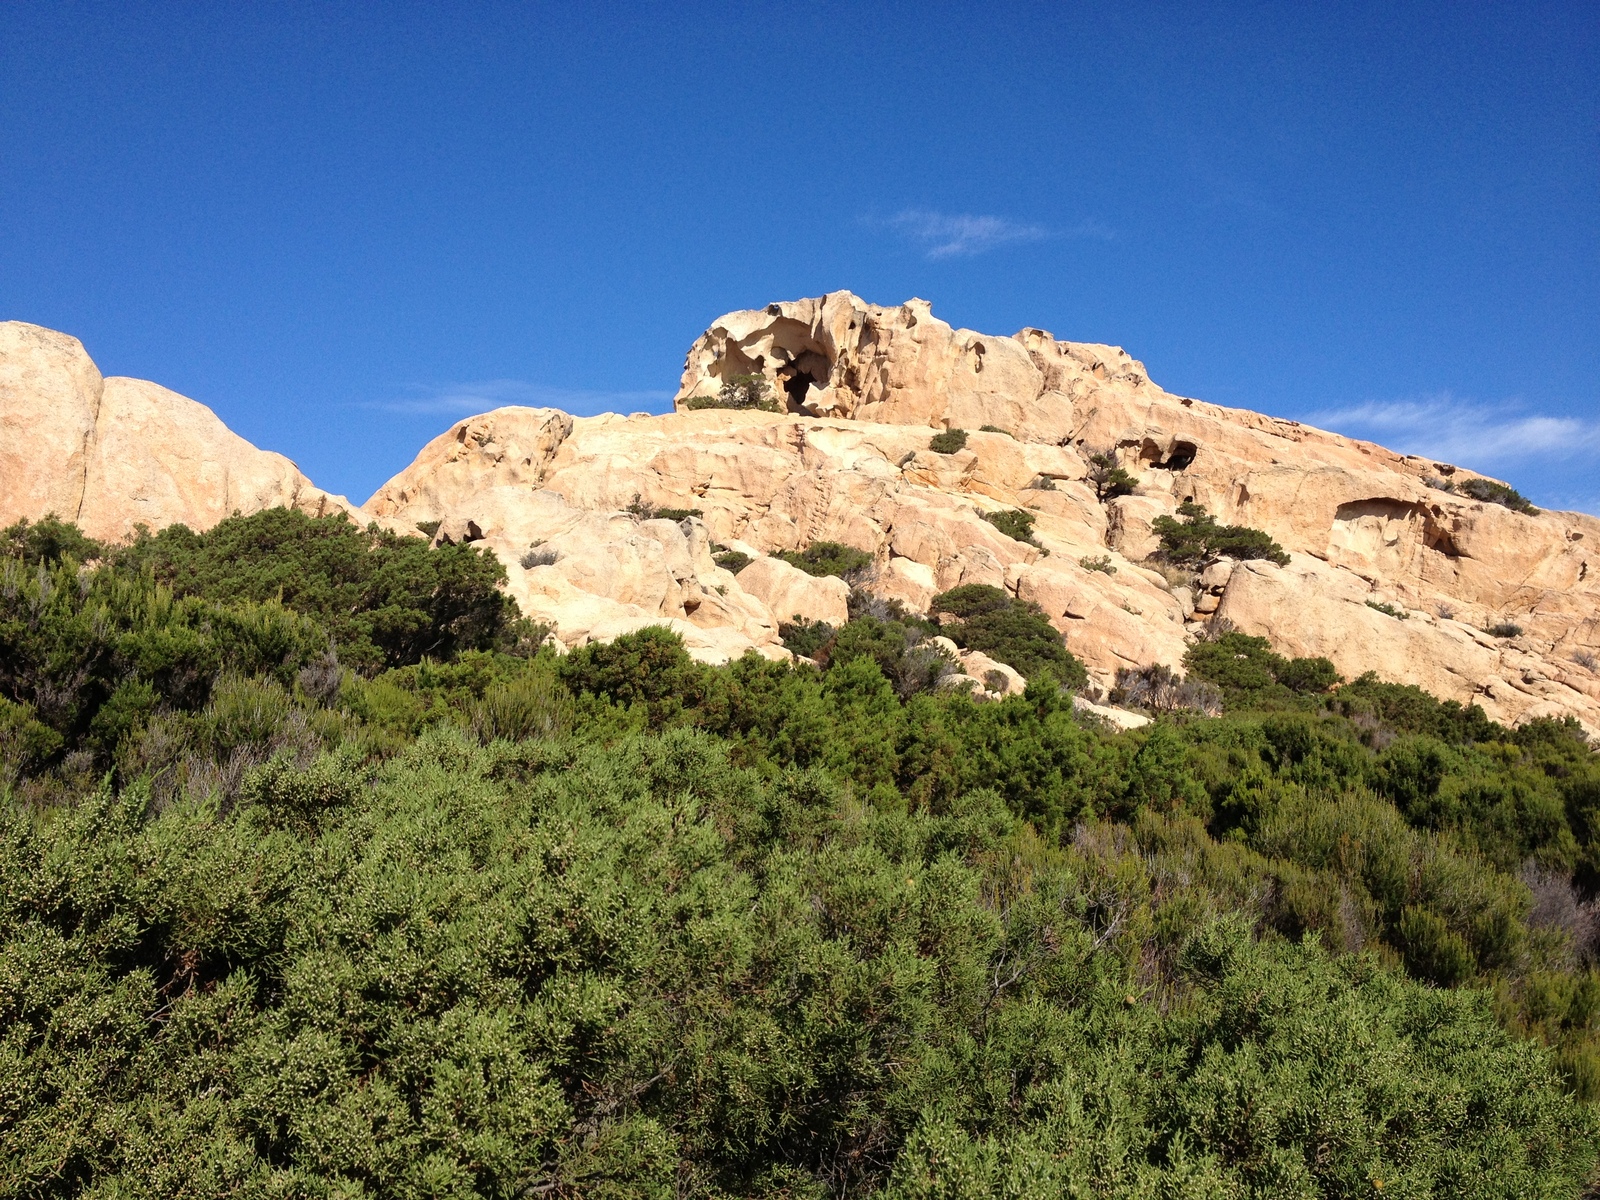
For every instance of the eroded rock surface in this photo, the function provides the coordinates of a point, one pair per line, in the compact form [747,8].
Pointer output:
[865,389]
[569,503]
[111,454]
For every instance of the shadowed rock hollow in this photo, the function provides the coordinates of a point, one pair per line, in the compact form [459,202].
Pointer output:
[865,389]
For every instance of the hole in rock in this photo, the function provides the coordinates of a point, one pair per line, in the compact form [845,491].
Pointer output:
[1181,457]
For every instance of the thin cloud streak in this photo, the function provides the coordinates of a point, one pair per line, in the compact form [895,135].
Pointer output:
[961,235]
[1462,432]
[465,399]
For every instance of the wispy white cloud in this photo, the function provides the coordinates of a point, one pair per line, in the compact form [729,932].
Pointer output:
[462,399]
[958,235]
[1468,433]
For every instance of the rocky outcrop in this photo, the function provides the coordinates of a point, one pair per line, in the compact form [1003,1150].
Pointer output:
[569,503]
[112,454]
[866,387]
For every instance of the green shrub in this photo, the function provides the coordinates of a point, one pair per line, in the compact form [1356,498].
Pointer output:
[739,392]
[387,600]
[1252,676]
[902,654]
[1014,523]
[1489,491]
[1432,951]
[805,638]
[996,429]
[1098,562]
[1504,629]
[1389,610]
[649,668]
[828,558]
[1016,632]
[640,968]
[1406,708]
[533,704]
[731,560]
[1107,478]
[1198,537]
[48,541]
[949,441]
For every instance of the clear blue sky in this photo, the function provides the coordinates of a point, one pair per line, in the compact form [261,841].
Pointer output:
[341,226]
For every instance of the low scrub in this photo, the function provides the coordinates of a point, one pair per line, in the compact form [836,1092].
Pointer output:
[1108,479]
[749,392]
[1016,525]
[622,923]
[1016,632]
[949,441]
[829,558]
[1196,536]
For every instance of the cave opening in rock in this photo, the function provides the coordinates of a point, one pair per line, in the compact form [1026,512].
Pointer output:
[1182,455]
[795,385]
[807,367]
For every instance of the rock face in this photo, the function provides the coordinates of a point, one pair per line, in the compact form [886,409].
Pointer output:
[114,453]
[866,387]
[569,503]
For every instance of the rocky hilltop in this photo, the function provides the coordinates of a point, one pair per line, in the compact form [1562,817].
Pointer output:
[1387,569]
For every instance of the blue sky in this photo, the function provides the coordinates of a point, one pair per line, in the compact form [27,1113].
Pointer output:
[341,226]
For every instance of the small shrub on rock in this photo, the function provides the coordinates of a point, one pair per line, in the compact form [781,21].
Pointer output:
[1389,610]
[829,558]
[1107,478]
[537,556]
[949,441]
[649,512]
[740,392]
[731,560]
[1100,562]
[1198,536]
[1489,491]
[1504,629]
[1016,632]
[1015,524]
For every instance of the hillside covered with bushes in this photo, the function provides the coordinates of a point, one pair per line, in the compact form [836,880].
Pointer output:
[321,876]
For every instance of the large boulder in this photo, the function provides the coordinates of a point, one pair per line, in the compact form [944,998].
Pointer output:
[113,454]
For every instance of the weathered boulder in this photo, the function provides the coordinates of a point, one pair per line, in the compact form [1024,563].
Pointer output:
[789,592]
[112,454]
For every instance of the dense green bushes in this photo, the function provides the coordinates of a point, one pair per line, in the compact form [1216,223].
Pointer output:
[1015,632]
[1251,676]
[617,923]
[387,600]
[828,558]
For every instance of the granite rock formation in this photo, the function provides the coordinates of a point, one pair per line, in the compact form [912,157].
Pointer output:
[111,454]
[588,514]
